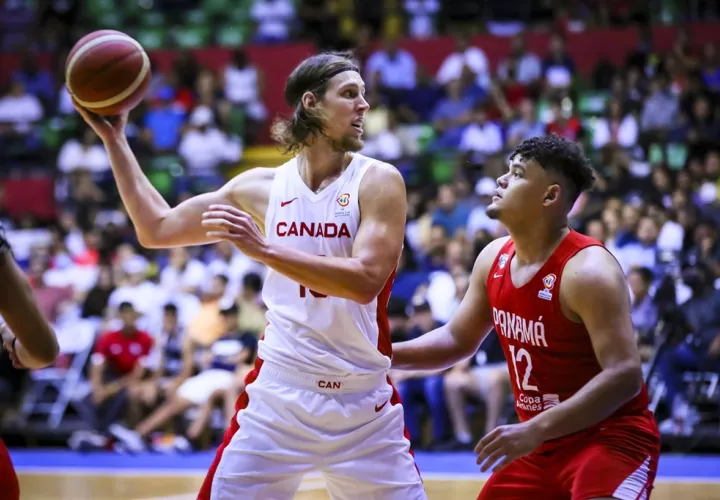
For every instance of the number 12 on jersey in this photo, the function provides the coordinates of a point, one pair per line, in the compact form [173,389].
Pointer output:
[522,354]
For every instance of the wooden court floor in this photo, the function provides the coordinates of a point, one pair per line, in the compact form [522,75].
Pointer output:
[78,486]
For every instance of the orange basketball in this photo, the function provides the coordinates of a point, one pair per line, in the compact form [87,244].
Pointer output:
[108,72]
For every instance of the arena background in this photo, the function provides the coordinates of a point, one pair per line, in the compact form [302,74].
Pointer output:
[454,86]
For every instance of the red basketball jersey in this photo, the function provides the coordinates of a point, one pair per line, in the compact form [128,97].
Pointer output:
[549,357]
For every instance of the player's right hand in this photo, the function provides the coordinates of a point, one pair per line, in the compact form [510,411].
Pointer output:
[108,128]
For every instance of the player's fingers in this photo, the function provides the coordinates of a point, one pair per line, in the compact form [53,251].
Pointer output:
[223,235]
[220,225]
[493,457]
[487,439]
[488,450]
[229,209]
[503,463]
[219,214]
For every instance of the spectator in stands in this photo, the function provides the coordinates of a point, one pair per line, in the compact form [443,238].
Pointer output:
[391,70]
[450,116]
[526,126]
[478,220]
[228,360]
[251,317]
[182,273]
[204,148]
[558,68]
[273,20]
[481,138]
[163,122]
[527,65]
[485,377]
[19,111]
[644,312]
[465,54]
[116,366]
[659,109]
[710,67]
[617,128]
[421,387]
[86,154]
[422,16]
[702,352]
[643,251]
[244,87]
[136,289]
[169,364]
[564,123]
[38,82]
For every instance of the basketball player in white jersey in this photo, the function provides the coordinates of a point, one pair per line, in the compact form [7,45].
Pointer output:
[329,225]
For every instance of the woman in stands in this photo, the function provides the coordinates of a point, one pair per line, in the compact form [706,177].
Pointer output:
[26,335]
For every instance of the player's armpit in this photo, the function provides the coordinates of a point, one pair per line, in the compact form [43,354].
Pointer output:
[376,248]
[593,290]
[182,225]
[462,336]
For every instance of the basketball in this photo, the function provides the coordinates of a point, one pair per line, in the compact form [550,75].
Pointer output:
[108,72]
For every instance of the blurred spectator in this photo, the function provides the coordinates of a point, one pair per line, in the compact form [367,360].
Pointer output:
[85,154]
[526,66]
[660,108]
[163,123]
[244,87]
[19,110]
[251,317]
[229,358]
[391,69]
[117,365]
[273,19]
[37,82]
[421,387]
[558,67]
[618,127]
[468,55]
[422,17]
[182,273]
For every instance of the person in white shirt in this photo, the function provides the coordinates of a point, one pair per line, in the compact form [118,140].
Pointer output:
[468,55]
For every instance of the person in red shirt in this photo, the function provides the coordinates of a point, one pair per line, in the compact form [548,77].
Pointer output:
[116,364]
[559,303]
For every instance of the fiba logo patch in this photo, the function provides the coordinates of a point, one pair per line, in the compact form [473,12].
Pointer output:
[548,283]
[502,261]
[343,200]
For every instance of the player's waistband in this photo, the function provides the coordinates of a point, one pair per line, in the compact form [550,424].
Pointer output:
[322,383]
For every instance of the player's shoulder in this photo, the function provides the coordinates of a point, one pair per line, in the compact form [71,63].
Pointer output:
[382,179]
[595,268]
[486,258]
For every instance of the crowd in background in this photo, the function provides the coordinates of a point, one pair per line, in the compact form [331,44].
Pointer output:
[172,333]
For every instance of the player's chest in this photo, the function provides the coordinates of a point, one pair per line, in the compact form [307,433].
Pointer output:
[326,227]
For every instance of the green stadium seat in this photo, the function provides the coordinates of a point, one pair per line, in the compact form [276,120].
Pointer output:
[191,37]
[218,7]
[677,155]
[230,36]
[112,20]
[152,18]
[591,103]
[152,38]
[96,7]
[162,180]
[656,154]
[196,16]
[443,168]
[237,121]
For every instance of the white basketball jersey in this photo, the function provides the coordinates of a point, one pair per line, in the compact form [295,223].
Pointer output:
[307,331]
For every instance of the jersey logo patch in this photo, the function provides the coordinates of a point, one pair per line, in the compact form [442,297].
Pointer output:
[283,203]
[502,261]
[343,200]
[548,283]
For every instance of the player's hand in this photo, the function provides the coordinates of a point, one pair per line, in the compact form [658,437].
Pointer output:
[506,443]
[106,127]
[7,343]
[224,222]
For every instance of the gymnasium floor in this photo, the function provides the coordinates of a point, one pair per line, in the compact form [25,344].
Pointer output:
[65,475]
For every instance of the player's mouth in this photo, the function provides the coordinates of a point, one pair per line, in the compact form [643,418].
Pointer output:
[358,125]
[497,196]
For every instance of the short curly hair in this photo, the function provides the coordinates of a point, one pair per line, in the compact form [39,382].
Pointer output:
[562,156]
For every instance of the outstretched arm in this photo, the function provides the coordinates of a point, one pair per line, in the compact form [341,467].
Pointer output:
[156,223]
[594,289]
[376,249]
[35,345]
[463,334]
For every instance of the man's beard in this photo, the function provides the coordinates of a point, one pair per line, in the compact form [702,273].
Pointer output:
[348,144]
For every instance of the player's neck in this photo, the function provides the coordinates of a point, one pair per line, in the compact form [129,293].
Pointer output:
[537,243]
[320,161]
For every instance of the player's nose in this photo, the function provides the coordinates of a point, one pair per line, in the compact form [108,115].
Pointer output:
[362,104]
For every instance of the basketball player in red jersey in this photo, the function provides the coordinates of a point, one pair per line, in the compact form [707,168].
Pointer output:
[329,225]
[27,337]
[559,302]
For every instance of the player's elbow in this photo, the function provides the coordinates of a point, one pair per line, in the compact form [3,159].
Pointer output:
[44,354]
[631,374]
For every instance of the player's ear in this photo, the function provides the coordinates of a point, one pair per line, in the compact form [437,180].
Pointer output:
[552,194]
[309,100]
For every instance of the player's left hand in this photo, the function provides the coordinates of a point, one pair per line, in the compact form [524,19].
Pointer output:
[224,222]
[507,442]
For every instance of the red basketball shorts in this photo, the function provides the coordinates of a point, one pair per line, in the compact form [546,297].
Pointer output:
[616,461]
[9,485]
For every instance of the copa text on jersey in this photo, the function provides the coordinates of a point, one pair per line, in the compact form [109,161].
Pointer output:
[536,403]
[515,327]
